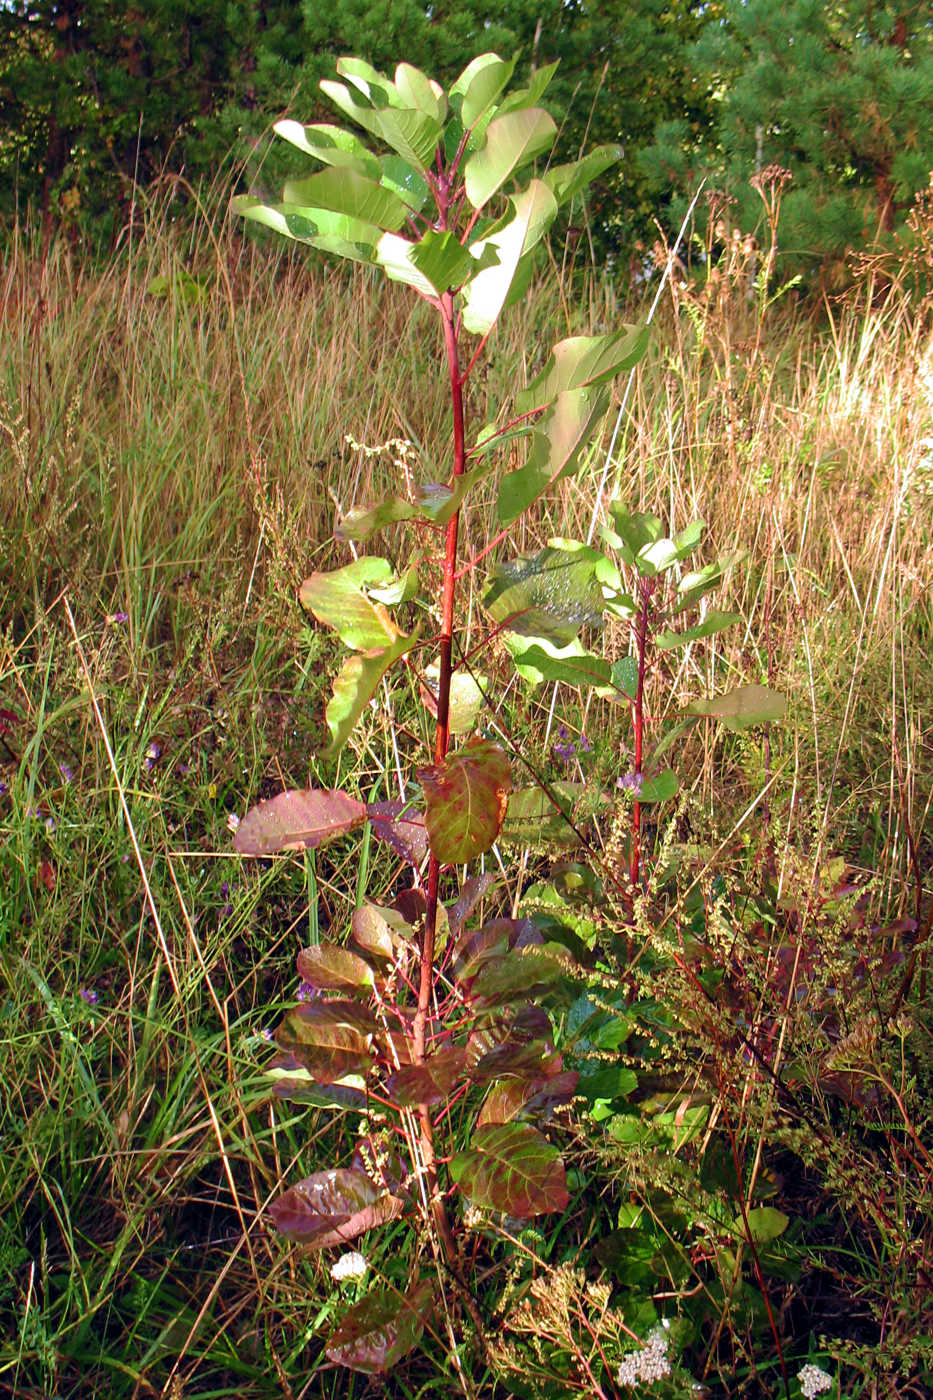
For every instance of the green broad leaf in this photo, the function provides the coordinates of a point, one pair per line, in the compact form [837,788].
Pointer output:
[439,504]
[399,590]
[405,181]
[566,181]
[514,1098]
[625,676]
[331,968]
[320,228]
[442,259]
[381,931]
[465,799]
[689,538]
[571,665]
[670,739]
[742,708]
[332,145]
[430,1083]
[466,697]
[362,521]
[635,530]
[534,816]
[526,974]
[346,192]
[608,1082]
[513,1169]
[693,586]
[354,686]
[483,297]
[298,820]
[418,91]
[374,85]
[374,1335]
[712,623]
[558,438]
[339,600]
[332,1207]
[479,85]
[764,1224]
[652,559]
[410,133]
[400,826]
[547,596]
[530,96]
[581,361]
[512,141]
[660,788]
[393,254]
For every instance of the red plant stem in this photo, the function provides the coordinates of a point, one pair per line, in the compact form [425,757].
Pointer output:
[441,744]
[645,590]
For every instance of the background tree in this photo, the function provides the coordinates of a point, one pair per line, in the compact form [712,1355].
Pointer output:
[840,95]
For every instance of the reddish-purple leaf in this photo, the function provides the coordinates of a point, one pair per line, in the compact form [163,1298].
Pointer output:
[512,1168]
[298,819]
[333,969]
[492,940]
[526,972]
[382,1328]
[473,891]
[330,1039]
[431,1082]
[511,1097]
[380,931]
[402,827]
[535,1059]
[333,1207]
[465,800]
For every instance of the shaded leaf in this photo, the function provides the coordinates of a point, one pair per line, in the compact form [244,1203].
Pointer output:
[378,1331]
[431,1082]
[511,1167]
[533,815]
[298,819]
[332,968]
[466,698]
[514,1059]
[526,972]
[741,708]
[549,595]
[402,827]
[381,931]
[465,799]
[404,179]
[625,676]
[512,1097]
[582,361]
[474,889]
[332,1207]
[764,1224]
[712,623]
[363,521]
[661,788]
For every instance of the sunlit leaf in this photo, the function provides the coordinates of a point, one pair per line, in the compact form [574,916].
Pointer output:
[332,145]
[354,686]
[483,297]
[332,1208]
[442,259]
[511,1168]
[378,1331]
[331,968]
[572,665]
[330,1039]
[417,90]
[538,84]
[298,819]
[511,142]
[479,85]
[393,254]
[581,361]
[557,441]
[362,521]
[347,192]
[320,228]
[465,799]
[625,675]
[466,698]
[568,180]
[381,931]
[526,972]
[511,1098]
[412,134]
[338,599]
[742,708]
[405,181]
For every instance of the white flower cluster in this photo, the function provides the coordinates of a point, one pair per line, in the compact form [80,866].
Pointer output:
[813,1381]
[350,1265]
[650,1364]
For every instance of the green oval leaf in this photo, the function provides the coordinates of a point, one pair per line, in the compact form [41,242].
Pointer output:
[741,708]
[354,686]
[338,599]
[712,623]
[347,192]
[333,969]
[512,1168]
[484,296]
[511,142]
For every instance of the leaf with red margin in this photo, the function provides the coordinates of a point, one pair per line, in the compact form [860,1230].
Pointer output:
[465,800]
[511,1097]
[526,972]
[512,1168]
[380,1329]
[472,892]
[431,1082]
[402,827]
[330,1039]
[381,931]
[330,968]
[294,820]
[333,1207]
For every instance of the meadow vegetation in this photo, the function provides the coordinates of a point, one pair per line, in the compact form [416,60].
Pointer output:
[748,1152]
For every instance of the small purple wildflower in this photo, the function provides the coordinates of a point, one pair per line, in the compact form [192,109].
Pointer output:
[225,890]
[89,995]
[67,774]
[118,617]
[306,992]
[631,782]
[266,1033]
[153,754]
[565,752]
[585,745]
[3,788]
[49,823]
